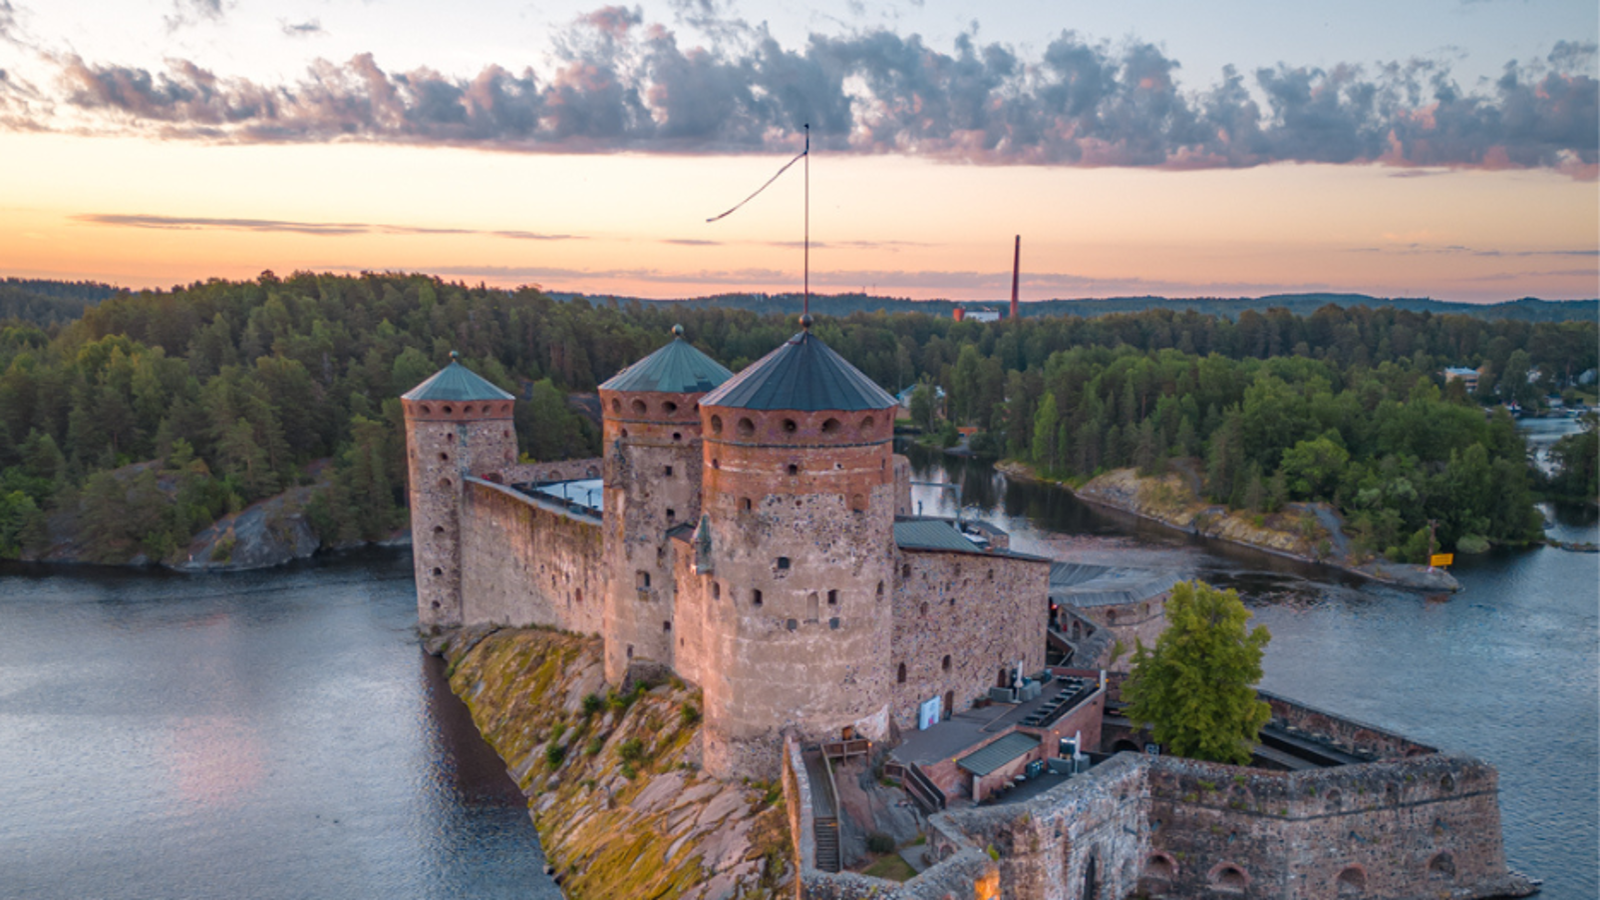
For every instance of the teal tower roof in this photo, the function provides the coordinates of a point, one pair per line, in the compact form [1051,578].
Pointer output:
[803,374]
[677,368]
[455,382]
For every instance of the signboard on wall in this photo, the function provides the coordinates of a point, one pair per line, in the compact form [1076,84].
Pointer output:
[929,713]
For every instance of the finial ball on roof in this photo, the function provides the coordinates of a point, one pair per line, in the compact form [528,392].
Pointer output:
[454,356]
[805,321]
[677,331]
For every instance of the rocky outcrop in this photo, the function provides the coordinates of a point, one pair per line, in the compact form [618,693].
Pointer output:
[1307,531]
[269,533]
[613,780]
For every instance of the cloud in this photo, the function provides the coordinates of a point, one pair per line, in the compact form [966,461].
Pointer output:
[194,223]
[622,84]
[193,12]
[309,28]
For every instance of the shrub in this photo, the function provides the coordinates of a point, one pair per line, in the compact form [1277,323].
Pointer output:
[631,750]
[594,747]
[628,771]
[592,703]
[878,842]
[689,713]
[554,754]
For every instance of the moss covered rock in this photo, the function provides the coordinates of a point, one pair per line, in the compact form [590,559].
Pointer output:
[613,779]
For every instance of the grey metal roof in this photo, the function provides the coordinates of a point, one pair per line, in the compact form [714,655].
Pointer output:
[991,757]
[803,374]
[1083,585]
[931,534]
[456,382]
[941,536]
[677,368]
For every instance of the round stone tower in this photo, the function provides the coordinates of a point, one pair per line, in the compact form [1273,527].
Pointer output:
[652,485]
[799,501]
[456,424]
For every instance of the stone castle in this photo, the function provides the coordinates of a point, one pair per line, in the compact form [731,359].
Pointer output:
[749,533]
[753,535]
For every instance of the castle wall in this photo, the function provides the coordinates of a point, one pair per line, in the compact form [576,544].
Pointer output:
[560,470]
[692,605]
[1129,623]
[527,563]
[982,612]
[1346,734]
[1426,826]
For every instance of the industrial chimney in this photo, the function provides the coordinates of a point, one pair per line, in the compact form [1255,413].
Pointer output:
[1016,268]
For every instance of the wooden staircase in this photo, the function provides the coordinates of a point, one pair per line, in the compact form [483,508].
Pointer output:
[827,834]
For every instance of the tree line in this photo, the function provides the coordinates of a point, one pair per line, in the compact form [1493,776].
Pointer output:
[224,392]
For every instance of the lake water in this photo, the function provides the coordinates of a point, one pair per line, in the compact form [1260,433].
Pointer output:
[1507,670]
[281,734]
[266,735]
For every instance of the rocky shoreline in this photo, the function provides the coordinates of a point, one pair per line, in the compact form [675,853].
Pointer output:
[613,781]
[1305,532]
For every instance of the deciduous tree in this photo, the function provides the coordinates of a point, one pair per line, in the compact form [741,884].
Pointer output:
[1195,690]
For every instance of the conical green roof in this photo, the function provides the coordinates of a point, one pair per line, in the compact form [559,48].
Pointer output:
[456,382]
[677,368]
[803,374]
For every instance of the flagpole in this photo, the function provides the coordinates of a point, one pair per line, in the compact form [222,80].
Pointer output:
[806,311]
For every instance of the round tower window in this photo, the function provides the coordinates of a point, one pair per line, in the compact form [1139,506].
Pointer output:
[426,410]
[867,423]
[444,457]
[716,424]
[616,405]
[669,407]
[467,408]
[638,407]
[746,427]
[830,427]
[789,426]
[449,409]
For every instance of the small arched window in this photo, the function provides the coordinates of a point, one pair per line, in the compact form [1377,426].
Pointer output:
[638,407]
[790,426]
[1352,882]
[900,674]
[669,407]
[716,591]
[945,663]
[755,598]
[831,426]
[744,504]
[833,598]
[867,423]
[1230,877]
[746,427]
[616,405]
[716,424]
[783,563]
[793,468]
[1442,866]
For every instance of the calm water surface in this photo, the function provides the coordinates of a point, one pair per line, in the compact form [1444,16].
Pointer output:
[280,735]
[1506,670]
[272,735]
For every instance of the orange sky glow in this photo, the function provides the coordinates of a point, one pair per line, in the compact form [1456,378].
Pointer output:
[143,212]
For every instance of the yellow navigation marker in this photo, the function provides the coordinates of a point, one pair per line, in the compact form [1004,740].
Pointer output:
[1441,559]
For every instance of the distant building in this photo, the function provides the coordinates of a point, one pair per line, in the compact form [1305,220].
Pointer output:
[983,314]
[1468,377]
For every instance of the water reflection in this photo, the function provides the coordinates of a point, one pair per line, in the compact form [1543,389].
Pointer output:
[271,735]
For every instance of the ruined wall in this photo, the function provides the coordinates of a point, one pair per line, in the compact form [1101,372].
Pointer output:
[800,510]
[1426,826]
[527,563]
[959,618]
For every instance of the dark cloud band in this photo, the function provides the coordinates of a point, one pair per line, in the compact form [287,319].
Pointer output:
[627,85]
[188,223]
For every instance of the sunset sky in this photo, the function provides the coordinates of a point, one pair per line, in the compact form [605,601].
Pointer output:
[1436,148]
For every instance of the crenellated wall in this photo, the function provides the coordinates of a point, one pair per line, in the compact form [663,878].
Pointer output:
[528,563]
[980,613]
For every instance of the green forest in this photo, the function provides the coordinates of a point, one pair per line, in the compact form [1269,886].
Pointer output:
[152,413]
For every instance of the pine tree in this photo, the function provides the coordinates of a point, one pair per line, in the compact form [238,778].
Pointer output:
[1195,691]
